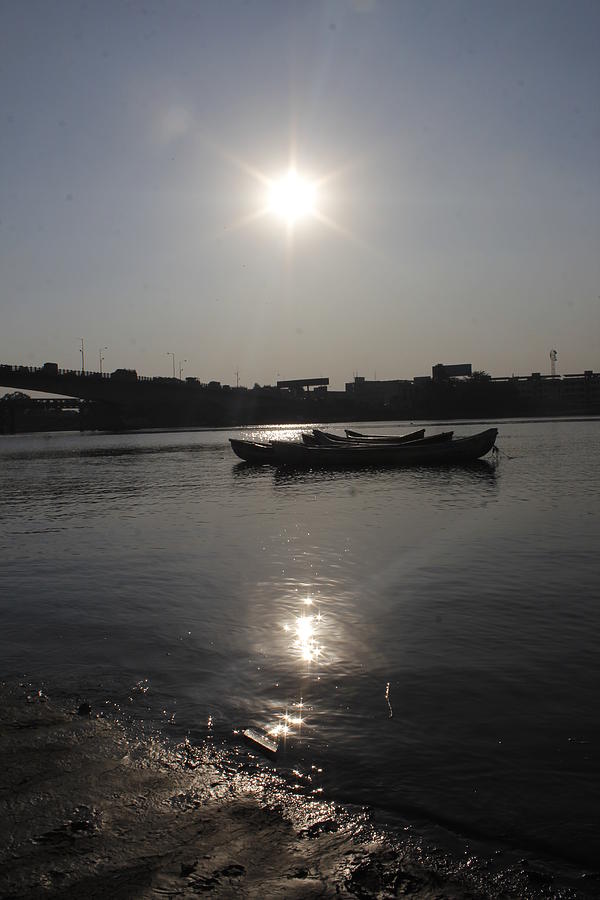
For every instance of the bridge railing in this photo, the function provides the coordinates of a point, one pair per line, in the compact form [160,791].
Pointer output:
[37,370]
[78,373]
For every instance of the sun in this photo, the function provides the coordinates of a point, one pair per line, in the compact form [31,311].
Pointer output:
[292,197]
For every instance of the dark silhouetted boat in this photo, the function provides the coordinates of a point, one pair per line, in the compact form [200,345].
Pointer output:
[328,437]
[323,441]
[252,451]
[359,436]
[415,453]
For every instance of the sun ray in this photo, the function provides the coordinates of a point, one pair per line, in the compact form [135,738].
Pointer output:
[235,160]
[247,220]
[344,169]
[344,232]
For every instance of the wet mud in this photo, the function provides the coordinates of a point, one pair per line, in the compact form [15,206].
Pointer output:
[89,811]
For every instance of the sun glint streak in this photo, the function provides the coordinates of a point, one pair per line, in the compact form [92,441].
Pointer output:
[293,720]
[304,629]
[305,638]
[280,729]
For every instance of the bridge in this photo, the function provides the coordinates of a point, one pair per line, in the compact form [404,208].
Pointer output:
[117,387]
[20,413]
[123,399]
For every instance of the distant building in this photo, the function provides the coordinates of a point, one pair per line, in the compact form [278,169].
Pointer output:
[581,392]
[395,391]
[556,395]
[300,385]
[124,374]
[441,372]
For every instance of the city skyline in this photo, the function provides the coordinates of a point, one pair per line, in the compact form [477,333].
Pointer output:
[179,372]
[446,206]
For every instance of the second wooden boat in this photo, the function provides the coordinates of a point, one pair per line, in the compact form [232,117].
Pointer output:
[359,436]
[328,437]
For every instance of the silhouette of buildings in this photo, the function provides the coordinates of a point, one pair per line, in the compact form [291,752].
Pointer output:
[123,399]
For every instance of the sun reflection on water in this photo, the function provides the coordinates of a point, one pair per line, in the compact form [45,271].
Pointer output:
[303,643]
[287,722]
[306,637]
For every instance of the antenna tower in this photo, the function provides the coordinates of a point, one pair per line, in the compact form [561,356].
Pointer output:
[553,355]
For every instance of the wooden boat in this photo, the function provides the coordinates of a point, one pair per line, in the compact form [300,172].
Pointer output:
[430,439]
[323,440]
[327,437]
[309,439]
[252,451]
[416,453]
[383,438]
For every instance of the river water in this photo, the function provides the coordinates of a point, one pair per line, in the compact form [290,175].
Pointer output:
[425,641]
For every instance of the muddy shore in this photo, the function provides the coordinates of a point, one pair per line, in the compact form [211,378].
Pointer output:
[88,810]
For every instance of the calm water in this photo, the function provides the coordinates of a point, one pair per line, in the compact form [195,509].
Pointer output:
[439,627]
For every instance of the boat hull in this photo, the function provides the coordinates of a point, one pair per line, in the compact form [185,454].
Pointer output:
[252,451]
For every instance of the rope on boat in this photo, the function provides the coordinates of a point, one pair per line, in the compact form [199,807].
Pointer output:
[497,452]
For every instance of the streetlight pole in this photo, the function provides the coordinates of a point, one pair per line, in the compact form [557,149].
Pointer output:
[181,368]
[171,354]
[101,357]
[82,357]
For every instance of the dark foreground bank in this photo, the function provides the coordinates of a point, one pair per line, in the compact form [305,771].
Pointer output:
[88,810]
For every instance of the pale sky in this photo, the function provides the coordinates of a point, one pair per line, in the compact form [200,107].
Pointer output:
[455,146]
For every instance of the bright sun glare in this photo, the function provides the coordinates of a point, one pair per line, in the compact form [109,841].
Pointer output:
[292,197]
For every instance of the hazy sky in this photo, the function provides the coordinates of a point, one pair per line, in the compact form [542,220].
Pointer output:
[456,146]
